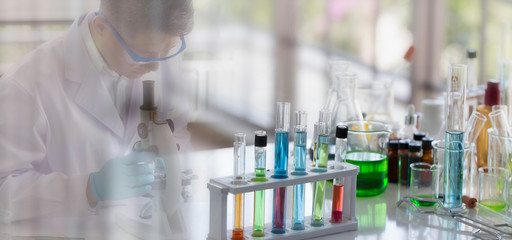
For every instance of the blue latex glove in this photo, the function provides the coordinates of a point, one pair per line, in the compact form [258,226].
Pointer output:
[124,177]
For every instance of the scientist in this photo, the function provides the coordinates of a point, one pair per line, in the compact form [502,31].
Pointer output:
[69,110]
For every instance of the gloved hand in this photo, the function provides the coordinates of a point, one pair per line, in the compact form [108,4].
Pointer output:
[124,177]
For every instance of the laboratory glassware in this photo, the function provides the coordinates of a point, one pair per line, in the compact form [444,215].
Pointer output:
[239,179]
[393,166]
[339,183]
[403,158]
[347,108]
[474,126]
[454,140]
[426,146]
[491,98]
[407,131]
[367,148]
[418,136]
[300,169]
[424,183]
[494,187]
[260,161]
[414,157]
[281,166]
[282,132]
[317,216]
[499,121]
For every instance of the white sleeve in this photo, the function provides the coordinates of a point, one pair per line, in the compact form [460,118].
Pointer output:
[25,178]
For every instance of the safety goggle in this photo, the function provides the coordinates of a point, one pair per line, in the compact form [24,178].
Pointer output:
[175,50]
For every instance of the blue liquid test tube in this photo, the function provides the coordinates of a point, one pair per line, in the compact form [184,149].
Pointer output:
[454,148]
[282,142]
[300,169]
[281,166]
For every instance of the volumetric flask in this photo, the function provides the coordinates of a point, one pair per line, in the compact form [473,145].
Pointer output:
[367,148]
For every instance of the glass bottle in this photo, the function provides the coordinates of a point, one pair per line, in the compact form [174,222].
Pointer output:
[426,146]
[393,161]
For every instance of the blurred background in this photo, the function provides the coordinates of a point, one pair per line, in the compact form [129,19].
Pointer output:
[245,55]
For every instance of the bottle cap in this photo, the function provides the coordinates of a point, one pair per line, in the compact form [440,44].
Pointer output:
[260,139]
[418,136]
[393,144]
[414,146]
[426,143]
[492,93]
[471,53]
[403,144]
[341,131]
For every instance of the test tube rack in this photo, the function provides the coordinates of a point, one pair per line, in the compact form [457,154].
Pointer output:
[220,188]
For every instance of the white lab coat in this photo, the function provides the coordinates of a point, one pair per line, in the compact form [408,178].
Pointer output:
[58,123]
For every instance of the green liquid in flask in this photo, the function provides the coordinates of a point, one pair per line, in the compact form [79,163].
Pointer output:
[373,172]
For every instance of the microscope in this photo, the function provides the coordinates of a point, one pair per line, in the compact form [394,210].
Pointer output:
[166,221]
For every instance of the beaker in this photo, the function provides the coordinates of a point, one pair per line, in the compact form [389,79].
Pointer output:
[367,148]
[494,187]
[470,170]
[424,183]
[500,153]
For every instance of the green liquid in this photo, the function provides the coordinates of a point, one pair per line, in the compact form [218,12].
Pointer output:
[314,153]
[495,205]
[259,214]
[318,204]
[260,175]
[424,203]
[373,172]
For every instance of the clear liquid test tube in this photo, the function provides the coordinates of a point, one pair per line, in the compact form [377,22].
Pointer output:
[499,121]
[474,126]
[239,159]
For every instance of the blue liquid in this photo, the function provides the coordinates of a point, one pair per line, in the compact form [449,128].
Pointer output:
[300,151]
[298,207]
[281,158]
[454,159]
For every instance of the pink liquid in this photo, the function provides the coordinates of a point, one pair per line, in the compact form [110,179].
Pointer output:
[278,221]
[337,204]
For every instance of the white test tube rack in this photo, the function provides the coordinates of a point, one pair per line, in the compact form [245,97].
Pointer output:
[220,187]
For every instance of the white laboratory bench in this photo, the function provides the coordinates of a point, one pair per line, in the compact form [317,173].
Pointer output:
[378,217]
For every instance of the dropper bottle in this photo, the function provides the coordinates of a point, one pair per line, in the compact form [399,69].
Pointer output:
[409,128]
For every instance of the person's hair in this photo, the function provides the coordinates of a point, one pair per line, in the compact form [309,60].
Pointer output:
[174,17]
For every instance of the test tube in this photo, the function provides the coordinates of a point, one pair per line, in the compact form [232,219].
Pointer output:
[281,148]
[474,126]
[338,184]
[281,166]
[239,178]
[315,144]
[454,149]
[239,159]
[317,217]
[500,123]
[300,169]
[260,154]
